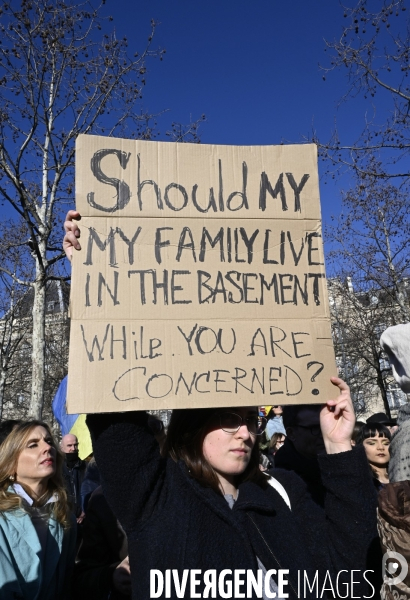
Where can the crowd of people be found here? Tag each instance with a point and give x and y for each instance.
(228, 490)
(198, 497)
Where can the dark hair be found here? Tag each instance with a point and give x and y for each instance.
(372, 430)
(357, 429)
(271, 413)
(7, 427)
(186, 432)
(275, 439)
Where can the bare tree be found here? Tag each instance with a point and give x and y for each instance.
(370, 263)
(186, 133)
(370, 241)
(358, 320)
(60, 76)
(374, 51)
(13, 333)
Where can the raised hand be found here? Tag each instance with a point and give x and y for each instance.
(337, 420)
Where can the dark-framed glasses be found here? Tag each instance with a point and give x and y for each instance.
(231, 422)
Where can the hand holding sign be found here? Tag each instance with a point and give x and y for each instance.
(72, 233)
(337, 420)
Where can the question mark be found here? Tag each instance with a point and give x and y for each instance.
(315, 391)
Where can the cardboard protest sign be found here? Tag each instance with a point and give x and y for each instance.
(201, 277)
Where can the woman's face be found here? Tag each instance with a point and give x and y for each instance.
(229, 453)
(37, 460)
(377, 450)
(280, 442)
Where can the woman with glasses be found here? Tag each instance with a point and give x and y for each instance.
(204, 504)
(201, 512)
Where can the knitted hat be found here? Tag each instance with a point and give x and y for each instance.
(395, 341)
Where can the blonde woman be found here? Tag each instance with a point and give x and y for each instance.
(37, 530)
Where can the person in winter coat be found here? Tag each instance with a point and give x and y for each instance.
(203, 509)
(73, 472)
(303, 443)
(176, 510)
(37, 530)
(275, 422)
(102, 569)
(90, 483)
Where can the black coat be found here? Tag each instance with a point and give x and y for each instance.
(73, 478)
(287, 457)
(172, 522)
(103, 547)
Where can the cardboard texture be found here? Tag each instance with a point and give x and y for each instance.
(201, 278)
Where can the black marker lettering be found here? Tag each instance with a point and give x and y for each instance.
(188, 338)
(297, 188)
(178, 288)
(249, 242)
(266, 260)
(211, 203)
(242, 194)
(159, 243)
(219, 238)
(122, 189)
(182, 245)
(141, 184)
(266, 186)
(101, 282)
(181, 189)
(123, 339)
(96, 343)
(94, 237)
(296, 344)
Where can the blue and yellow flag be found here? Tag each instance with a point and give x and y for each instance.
(74, 424)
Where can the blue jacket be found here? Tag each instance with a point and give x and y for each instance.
(275, 425)
(22, 573)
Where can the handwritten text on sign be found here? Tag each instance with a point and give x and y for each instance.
(178, 302)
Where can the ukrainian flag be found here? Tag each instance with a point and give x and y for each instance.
(74, 424)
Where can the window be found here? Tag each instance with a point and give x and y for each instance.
(384, 362)
(395, 396)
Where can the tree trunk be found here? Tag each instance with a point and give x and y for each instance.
(2, 388)
(380, 383)
(38, 343)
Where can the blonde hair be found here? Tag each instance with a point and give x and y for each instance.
(10, 451)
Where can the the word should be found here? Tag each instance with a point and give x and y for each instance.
(175, 196)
